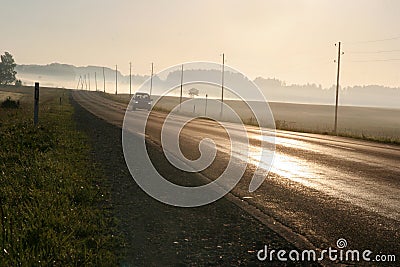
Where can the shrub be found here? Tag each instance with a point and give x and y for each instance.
(18, 83)
(9, 103)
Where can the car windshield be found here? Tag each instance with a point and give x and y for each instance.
(142, 96)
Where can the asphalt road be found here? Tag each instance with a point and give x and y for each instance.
(322, 187)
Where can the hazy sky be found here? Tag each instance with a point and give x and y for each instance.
(290, 40)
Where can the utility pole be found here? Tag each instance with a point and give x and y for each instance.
(95, 79)
(205, 113)
(36, 105)
(89, 80)
(180, 98)
(337, 85)
(116, 79)
(104, 82)
(77, 86)
(130, 78)
(151, 78)
(85, 82)
(222, 83)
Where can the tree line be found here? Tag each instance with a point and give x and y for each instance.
(7, 70)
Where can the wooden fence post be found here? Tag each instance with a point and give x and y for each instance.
(36, 105)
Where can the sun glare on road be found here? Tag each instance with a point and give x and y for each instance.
(285, 165)
(293, 169)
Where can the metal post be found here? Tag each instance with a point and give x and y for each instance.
(337, 88)
(89, 80)
(36, 105)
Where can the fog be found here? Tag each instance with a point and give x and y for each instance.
(275, 90)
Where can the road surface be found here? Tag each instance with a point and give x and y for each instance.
(321, 187)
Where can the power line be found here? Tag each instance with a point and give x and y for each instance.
(376, 40)
(373, 52)
(375, 60)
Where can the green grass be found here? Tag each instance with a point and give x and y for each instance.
(287, 126)
(52, 201)
(121, 98)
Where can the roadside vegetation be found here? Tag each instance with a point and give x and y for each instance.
(10, 103)
(52, 198)
(120, 98)
(288, 126)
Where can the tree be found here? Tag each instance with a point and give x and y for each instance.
(18, 83)
(193, 92)
(7, 72)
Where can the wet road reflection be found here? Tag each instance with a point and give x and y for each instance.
(300, 159)
(372, 194)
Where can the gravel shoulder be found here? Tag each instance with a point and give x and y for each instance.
(156, 234)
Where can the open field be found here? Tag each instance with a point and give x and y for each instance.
(4, 95)
(52, 196)
(361, 122)
(377, 124)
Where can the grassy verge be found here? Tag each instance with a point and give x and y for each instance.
(121, 98)
(52, 209)
(283, 125)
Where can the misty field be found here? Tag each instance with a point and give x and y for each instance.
(378, 124)
(367, 122)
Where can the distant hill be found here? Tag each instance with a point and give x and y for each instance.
(368, 96)
(64, 75)
(275, 90)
